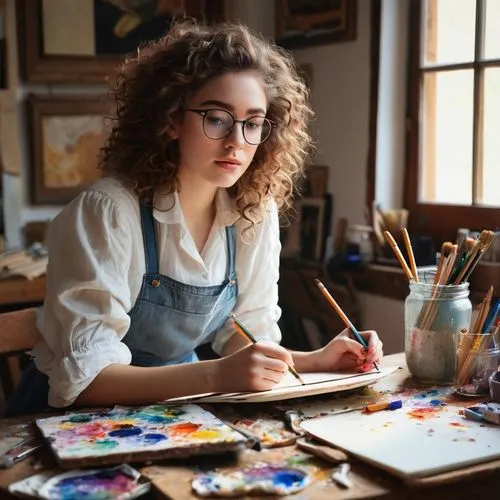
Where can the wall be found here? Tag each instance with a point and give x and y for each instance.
(16, 197)
(340, 97)
(391, 128)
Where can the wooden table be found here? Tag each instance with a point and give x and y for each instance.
(19, 291)
(173, 479)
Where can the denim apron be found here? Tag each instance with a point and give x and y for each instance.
(170, 319)
(167, 322)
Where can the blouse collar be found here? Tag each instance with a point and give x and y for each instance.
(167, 208)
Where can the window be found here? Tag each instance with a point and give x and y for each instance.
(453, 177)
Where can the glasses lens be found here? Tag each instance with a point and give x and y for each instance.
(217, 124)
(256, 129)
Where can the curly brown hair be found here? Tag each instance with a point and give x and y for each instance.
(150, 93)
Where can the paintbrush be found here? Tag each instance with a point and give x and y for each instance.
(399, 255)
(253, 440)
(242, 330)
(411, 256)
(483, 242)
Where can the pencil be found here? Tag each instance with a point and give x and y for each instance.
(343, 316)
(411, 256)
(242, 330)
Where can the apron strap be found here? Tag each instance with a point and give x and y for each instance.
(149, 238)
(231, 252)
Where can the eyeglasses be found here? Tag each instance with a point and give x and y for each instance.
(219, 123)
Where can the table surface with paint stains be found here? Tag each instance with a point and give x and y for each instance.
(173, 479)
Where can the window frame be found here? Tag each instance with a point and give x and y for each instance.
(441, 221)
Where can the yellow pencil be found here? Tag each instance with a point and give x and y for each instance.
(241, 329)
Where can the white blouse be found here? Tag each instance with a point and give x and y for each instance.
(95, 271)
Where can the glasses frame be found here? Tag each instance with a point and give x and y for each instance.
(203, 114)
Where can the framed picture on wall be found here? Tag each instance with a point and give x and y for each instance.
(84, 41)
(316, 181)
(311, 217)
(67, 135)
(303, 23)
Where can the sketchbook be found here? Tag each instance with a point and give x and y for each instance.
(136, 434)
(289, 387)
(427, 436)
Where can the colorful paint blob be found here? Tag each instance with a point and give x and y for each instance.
(118, 483)
(425, 413)
(124, 430)
(267, 480)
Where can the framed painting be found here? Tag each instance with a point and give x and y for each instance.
(304, 237)
(67, 135)
(312, 228)
(84, 41)
(316, 181)
(303, 23)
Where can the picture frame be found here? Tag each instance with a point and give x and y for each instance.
(316, 181)
(311, 219)
(304, 23)
(84, 41)
(67, 133)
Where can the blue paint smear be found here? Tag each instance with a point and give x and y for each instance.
(435, 402)
(428, 394)
(288, 478)
(126, 432)
(154, 438)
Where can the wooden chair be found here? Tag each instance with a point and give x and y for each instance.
(18, 334)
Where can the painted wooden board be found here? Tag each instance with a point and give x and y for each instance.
(425, 437)
(315, 383)
(135, 434)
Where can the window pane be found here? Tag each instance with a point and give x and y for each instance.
(448, 32)
(489, 181)
(492, 33)
(446, 161)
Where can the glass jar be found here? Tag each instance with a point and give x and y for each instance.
(478, 356)
(434, 316)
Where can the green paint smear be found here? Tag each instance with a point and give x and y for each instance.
(105, 444)
(79, 418)
(298, 460)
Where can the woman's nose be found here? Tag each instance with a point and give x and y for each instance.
(235, 137)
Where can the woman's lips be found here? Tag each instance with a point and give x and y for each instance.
(228, 164)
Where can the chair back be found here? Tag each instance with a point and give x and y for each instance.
(18, 333)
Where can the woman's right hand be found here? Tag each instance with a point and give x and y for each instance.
(256, 367)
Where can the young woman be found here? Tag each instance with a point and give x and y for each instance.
(209, 136)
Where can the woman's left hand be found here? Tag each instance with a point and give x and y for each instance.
(345, 353)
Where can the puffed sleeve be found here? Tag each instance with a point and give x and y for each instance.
(88, 295)
(257, 267)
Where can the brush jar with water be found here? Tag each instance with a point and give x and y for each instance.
(478, 358)
(434, 317)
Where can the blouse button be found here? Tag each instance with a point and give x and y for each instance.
(232, 282)
(155, 283)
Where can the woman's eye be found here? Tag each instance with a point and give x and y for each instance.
(215, 121)
(252, 125)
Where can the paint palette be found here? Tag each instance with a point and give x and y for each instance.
(265, 479)
(134, 434)
(117, 483)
